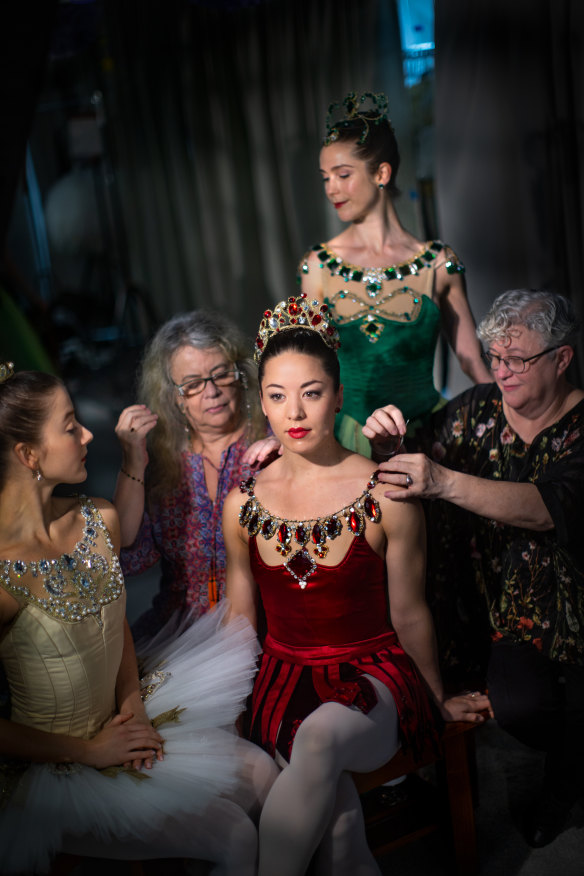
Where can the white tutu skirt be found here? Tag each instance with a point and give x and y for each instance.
(208, 672)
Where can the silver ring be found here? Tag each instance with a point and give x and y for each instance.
(409, 481)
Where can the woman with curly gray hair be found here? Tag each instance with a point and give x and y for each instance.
(506, 563)
(184, 447)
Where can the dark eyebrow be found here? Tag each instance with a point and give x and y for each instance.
(338, 167)
(302, 386)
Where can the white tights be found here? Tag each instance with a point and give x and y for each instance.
(314, 803)
(224, 834)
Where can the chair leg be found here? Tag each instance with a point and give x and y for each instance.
(460, 795)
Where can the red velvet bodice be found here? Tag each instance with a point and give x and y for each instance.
(338, 606)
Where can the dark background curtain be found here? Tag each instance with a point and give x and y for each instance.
(216, 116)
(509, 115)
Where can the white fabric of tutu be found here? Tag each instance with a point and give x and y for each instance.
(209, 669)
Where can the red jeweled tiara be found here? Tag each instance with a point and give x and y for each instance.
(296, 312)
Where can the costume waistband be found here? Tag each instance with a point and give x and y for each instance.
(320, 655)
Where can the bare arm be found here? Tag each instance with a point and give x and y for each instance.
(459, 325)
(508, 502)
(410, 614)
(134, 424)
(121, 741)
(311, 281)
(240, 587)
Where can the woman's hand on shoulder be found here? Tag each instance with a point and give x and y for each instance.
(468, 706)
(262, 452)
(414, 476)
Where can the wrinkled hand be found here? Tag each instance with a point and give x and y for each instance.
(417, 477)
(385, 428)
(467, 706)
(134, 424)
(258, 452)
(124, 741)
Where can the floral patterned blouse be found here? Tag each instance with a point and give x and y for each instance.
(184, 533)
(490, 580)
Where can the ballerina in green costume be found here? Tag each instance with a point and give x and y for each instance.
(389, 293)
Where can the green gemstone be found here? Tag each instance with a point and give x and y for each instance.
(437, 246)
(373, 287)
(345, 271)
(332, 263)
(323, 255)
(419, 263)
(357, 276)
(428, 255)
(390, 273)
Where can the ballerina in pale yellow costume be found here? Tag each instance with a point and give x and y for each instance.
(93, 761)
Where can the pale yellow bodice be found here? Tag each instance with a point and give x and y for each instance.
(62, 652)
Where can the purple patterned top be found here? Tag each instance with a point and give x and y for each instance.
(184, 533)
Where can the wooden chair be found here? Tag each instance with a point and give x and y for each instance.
(456, 773)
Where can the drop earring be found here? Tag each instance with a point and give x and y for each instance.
(381, 186)
(36, 473)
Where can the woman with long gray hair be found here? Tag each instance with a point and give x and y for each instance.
(185, 445)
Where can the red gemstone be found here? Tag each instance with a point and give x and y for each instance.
(316, 533)
(267, 528)
(300, 564)
(260, 343)
(316, 319)
(354, 522)
(293, 308)
(267, 313)
(333, 526)
(371, 507)
(283, 533)
(301, 535)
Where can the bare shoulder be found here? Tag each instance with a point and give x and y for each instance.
(398, 514)
(110, 518)
(233, 501)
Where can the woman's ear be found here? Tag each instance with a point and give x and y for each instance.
(26, 456)
(565, 356)
(383, 175)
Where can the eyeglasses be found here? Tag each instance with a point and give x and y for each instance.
(197, 384)
(515, 364)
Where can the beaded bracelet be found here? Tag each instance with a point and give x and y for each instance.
(128, 475)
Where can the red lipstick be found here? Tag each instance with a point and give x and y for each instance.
(298, 432)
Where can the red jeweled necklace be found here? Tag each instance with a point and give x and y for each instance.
(318, 530)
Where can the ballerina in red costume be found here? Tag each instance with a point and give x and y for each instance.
(349, 669)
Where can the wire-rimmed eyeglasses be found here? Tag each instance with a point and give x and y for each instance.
(196, 385)
(515, 364)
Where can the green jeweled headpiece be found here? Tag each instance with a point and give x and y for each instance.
(296, 312)
(368, 107)
(6, 370)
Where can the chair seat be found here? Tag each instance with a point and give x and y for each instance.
(456, 772)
